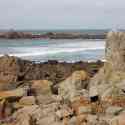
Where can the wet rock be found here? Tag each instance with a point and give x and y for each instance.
(13, 69)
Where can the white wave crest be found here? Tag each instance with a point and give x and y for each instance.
(48, 51)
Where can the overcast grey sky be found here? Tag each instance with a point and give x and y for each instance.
(66, 14)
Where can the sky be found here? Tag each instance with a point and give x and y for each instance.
(62, 14)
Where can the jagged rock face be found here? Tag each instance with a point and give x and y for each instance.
(115, 51)
(13, 69)
(108, 81)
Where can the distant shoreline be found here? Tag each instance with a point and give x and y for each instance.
(51, 35)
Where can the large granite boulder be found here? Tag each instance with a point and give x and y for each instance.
(110, 81)
(72, 86)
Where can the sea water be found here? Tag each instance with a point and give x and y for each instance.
(41, 50)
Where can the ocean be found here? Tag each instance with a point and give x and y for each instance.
(41, 50)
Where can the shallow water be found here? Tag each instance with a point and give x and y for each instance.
(62, 50)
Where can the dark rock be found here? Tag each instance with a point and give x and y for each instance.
(13, 69)
(51, 35)
(94, 98)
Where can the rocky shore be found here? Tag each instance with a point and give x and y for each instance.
(28, 85)
(55, 93)
(51, 35)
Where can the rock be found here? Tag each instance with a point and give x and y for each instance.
(42, 87)
(27, 115)
(13, 93)
(81, 106)
(6, 109)
(113, 110)
(84, 109)
(113, 73)
(45, 99)
(9, 69)
(69, 88)
(47, 121)
(92, 120)
(27, 100)
(4, 85)
(64, 112)
(13, 69)
(118, 120)
(72, 121)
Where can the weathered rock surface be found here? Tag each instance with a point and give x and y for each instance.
(107, 83)
(118, 120)
(74, 103)
(71, 87)
(42, 87)
(13, 93)
(27, 100)
(14, 69)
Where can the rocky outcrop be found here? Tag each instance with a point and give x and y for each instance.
(27, 90)
(13, 69)
(16, 35)
(74, 103)
(77, 35)
(109, 82)
(77, 102)
(73, 85)
(52, 35)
